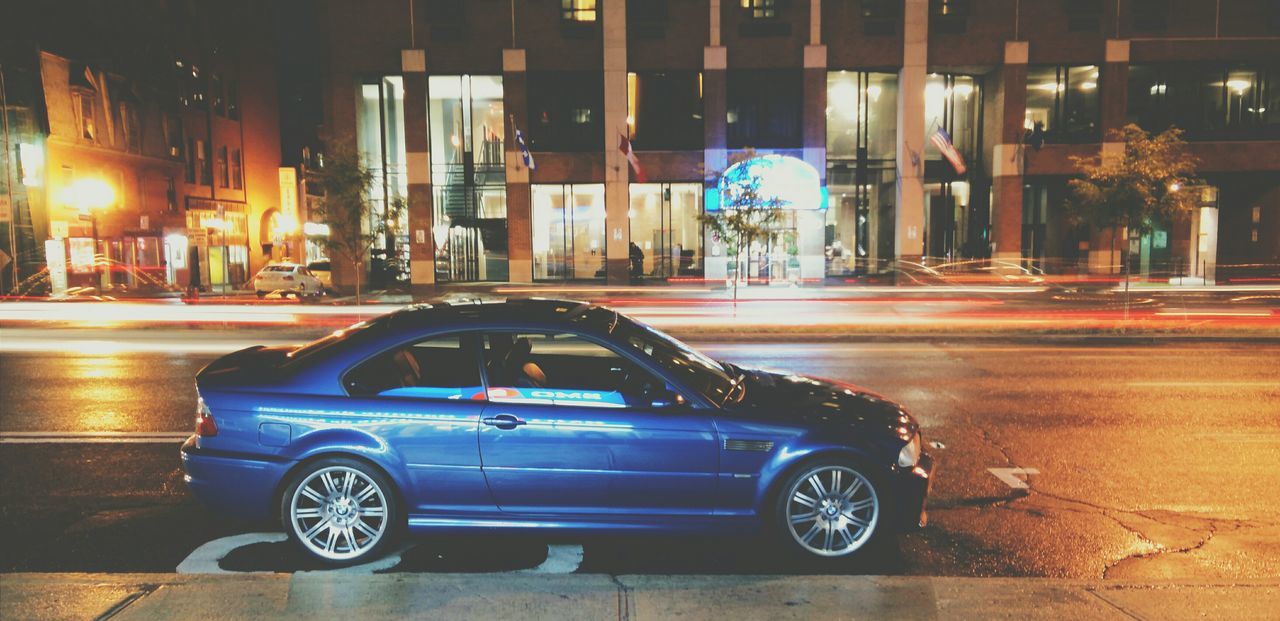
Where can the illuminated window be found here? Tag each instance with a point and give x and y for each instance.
(1208, 102)
(88, 119)
(761, 9)
(578, 10)
(1064, 102)
(237, 170)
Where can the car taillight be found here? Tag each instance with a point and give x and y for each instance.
(288, 277)
(205, 427)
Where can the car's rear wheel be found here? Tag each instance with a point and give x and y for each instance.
(828, 509)
(340, 511)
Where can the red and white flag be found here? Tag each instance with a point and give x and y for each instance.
(624, 145)
(942, 140)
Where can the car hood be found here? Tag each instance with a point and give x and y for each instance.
(800, 398)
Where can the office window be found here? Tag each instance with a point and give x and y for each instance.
(578, 10)
(880, 17)
(664, 110)
(88, 117)
(219, 100)
(233, 100)
(862, 115)
(953, 102)
(764, 109)
(1150, 15)
(761, 9)
(446, 13)
(568, 231)
(171, 194)
(237, 170)
(566, 111)
(130, 127)
(647, 19)
(197, 87)
(948, 16)
(190, 157)
(1064, 100)
(224, 174)
(1083, 15)
(1238, 102)
(205, 163)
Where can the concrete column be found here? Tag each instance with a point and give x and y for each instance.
(515, 91)
(422, 269)
(715, 155)
(909, 231)
(1007, 157)
(617, 172)
(1103, 257)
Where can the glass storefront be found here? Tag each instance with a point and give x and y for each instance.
(381, 143)
(956, 215)
(568, 231)
(1064, 102)
(665, 230)
(468, 177)
(862, 126)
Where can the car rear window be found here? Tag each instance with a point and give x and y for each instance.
(278, 268)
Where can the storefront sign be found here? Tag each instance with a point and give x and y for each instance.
(288, 191)
(55, 257)
(81, 255)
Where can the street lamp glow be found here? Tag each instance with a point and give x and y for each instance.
(1175, 186)
(89, 195)
(286, 224)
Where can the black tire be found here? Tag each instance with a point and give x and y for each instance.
(261, 294)
(338, 514)
(845, 515)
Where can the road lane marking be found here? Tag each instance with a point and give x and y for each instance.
(93, 437)
(1008, 476)
(561, 559)
(204, 559)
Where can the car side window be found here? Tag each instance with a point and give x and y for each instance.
(564, 369)
(442, 367)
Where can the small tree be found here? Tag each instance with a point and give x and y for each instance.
(1143, 187)
(745, 214)
(346, 208)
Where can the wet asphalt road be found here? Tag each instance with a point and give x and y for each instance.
(1151, 461)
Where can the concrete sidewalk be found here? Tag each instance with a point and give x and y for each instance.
(599, 597)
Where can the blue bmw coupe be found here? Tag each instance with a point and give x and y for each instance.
(543, 414)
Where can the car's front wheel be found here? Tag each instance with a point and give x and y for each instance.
(828, 509)
(339, 511)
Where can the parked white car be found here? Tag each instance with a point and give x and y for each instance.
(321, 269)
(286, 279)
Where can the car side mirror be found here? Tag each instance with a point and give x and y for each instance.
(659, 399)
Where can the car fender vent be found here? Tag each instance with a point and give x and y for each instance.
(763, 446)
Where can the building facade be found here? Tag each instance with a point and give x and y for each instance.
(850, 92)
(146, 140)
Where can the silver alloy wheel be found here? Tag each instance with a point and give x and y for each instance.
(832, 511)
(339, 513)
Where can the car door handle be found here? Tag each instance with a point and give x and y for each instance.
(503, 421)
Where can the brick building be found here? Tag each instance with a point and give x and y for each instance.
(147, 135)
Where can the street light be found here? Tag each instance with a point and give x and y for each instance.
(89, 196)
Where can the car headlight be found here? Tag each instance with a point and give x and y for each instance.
(910, 454)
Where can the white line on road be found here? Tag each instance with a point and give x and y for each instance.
(561, 559)
(93, 437)
(1008, 476)
(204, 559)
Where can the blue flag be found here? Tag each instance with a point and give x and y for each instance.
(524, 149)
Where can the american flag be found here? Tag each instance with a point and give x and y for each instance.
(942, 140)
(524, 150)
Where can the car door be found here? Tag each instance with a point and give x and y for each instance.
(585, 437)
(426, 398)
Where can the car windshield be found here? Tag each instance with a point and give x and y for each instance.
(694, 368)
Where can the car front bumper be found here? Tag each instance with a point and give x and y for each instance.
(912, 493)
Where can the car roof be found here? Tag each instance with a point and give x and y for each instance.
(520, 310)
